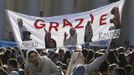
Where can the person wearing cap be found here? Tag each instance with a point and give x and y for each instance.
(26, 36)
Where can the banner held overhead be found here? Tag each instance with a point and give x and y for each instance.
(72, 29)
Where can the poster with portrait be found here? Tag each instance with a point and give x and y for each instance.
(66, 30)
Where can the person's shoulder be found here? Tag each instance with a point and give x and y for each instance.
(14, 73)
(44, 58)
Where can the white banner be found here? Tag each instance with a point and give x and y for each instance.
(52, 32)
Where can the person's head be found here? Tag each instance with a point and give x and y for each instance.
(95, 72)
(112, 58)
(122, 60)
(120, 50)
(120, 71)
(12, 63)
(48, 34)
(55, 57)
(85, 52)
(6, 56)
(67, 56)
(114, 10)
(79, 70)
(129, 69)
(20, 22)
(88, 23)
(43, 53)
(61, 51)
(112, 20)
(112, 67)
(8, 53)
(26, 34)
(32, 57)
(2, 49)
(104, 67)
(72, 31)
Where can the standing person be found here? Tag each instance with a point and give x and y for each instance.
(72, 40)
(39, 65)
(49, 41)
(22, 28)
(88, 33)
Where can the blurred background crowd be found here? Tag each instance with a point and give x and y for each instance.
(119, 60)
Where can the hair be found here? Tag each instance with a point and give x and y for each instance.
(121, 71)
(128, 68)
(104, 67)
(67, 55)
(55, 57)
(121, 49)
(85, 52)
(122, 60)
(112, 67)
(60, 50)
(43, 53)
(90, 55)
(13, 62)
(112, 58)
(31, 53)
(6, 56)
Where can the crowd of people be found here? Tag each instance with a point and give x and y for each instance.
(82, 61)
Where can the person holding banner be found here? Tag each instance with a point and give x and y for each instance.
(72, 40)
(49, 41)
(22, 28)
(39, 65)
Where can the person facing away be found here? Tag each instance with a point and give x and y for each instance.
(21, 26)
(72, 40)
(39, 65)
(49, 41)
